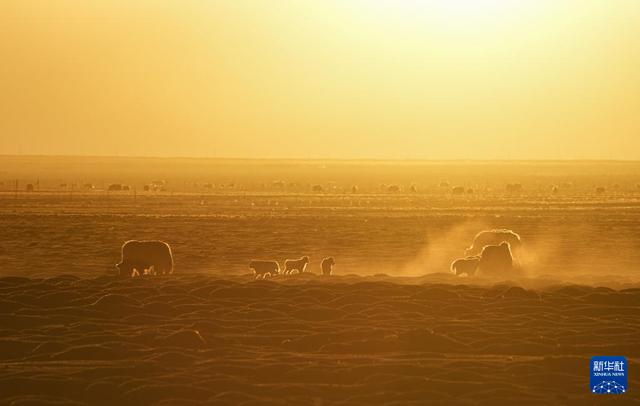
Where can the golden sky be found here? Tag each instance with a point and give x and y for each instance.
(450, 79)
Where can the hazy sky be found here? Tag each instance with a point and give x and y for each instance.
(477, 79)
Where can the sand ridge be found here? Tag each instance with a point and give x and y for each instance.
(202, 339)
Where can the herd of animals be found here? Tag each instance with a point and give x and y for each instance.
(493, 252)
(264, 269)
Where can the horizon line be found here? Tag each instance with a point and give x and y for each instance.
(236, 158)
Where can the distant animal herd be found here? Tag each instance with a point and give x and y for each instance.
(455, 190)
(492, 252)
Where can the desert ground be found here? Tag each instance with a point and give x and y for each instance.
(392, 325)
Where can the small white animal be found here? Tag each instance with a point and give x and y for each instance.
(296, 264)
(263, 268)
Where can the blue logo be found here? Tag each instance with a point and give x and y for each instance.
(609, 375)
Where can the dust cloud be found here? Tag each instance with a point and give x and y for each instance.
(556, 255)
(443, 247)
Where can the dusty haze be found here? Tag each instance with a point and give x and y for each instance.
(385, 134)
(403, 219)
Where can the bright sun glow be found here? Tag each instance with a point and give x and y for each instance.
(448, 6)
(432, 79)
(479, 19)
(452, 9)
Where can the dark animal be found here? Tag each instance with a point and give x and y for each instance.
(496, 260)
(468, 265)
(327, 265)
(264, 268)
(139, 257)
(296, 264)
(514, 187)
(494, 237)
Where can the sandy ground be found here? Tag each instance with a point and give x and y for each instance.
(197, 339)
(401, 235)
(72, 332)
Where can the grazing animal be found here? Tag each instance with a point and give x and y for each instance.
(494, 237)
(514, 187)
(496, 260)
(145, 257)
(296, 264)
(327, 265)
(468, 265)
(458, 190)
(264, 268)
